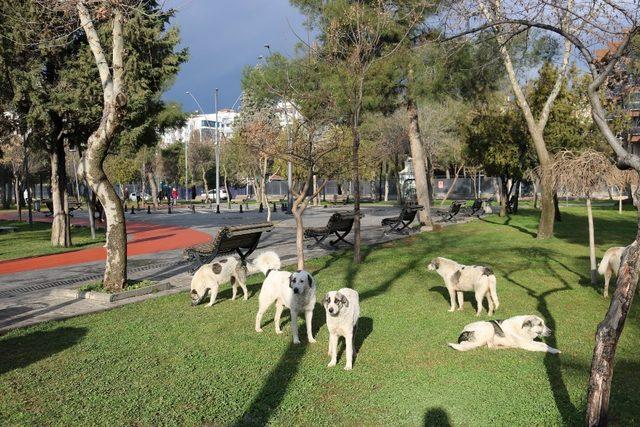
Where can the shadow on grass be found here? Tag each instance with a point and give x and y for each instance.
(436, 417)
(22, 351)
(275, 387)
(553, 365)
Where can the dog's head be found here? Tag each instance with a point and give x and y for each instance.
(301, 281)
(197, 298)
(333, 302)
(534, 327)
(434, 264)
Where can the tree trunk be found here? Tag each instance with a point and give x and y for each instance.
(153, 187)
(60, 235)
(536, 184)
(557, 216)
(607, 336)
(357, 258)
(226, 188)
(504, 196)
(316, 199)
(452, 186)
(18, 195)
(547, 211)
(386, 181)
(592, 244)
(297, 211)
(419, 167)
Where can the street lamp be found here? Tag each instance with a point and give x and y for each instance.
(186, 149)
(217, 124)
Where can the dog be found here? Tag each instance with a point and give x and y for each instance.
(459, 278)
(210, 276)
(609, 266)
(514, 332)
(342, 309)
(295, 291)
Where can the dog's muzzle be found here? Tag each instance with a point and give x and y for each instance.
(295, 290)
(546, 332)
(196, 301)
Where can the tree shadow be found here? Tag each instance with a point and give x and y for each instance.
(275, 387)
(508, 224)
(553, 365)
(365, 327)
(21, 351)
(436, 417)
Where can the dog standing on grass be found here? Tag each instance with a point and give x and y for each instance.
(514, 332)
(295, 291)
(610, 265)
(210, 276)
(343, 310)
(459, 278)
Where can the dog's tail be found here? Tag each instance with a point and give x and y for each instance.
(264, 262)
(493, 290)
(604, 264)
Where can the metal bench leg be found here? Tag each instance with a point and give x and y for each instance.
(318, 240)
(340, 238)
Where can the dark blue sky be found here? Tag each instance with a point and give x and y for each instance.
(223, 36)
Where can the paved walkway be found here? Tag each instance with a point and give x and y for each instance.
(26, 298)
(142, 238)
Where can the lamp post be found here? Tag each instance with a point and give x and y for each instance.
(186, 148)
(217, 124)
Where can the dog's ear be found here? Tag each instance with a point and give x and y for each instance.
(344, 300)
(326, 300)
(311, 280)
(291, 280)
(527, 324)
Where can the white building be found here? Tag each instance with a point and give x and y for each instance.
(205, 125)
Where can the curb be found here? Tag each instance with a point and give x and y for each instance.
(105, 297)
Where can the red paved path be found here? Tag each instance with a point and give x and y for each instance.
(143, 238)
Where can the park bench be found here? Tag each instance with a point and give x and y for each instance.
(73, 207)
(476, 208)
(450, 213)
(397, 224)
(339, 224)
(242, 239)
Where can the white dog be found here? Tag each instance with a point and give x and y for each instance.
(514, 332)
(459, 278)
(295, 291)
(609, 265)
(210, 276)
(343, 310)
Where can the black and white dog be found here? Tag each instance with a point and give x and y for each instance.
(514, 332)
(295, 291)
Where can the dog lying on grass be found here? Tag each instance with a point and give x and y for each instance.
(210, 276)
(610, 265)
(342, 309)
(514, 332)
(295, 291)
(459, 278)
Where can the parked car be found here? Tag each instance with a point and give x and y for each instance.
(134, 197)
(212, 195)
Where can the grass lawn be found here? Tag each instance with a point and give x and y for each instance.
(32, 240)
(163, 362)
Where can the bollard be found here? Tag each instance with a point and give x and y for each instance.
(193, 208)
(217, 209)
(133, 210)
(169, 208)
(240, 207)
(275, 207)
(148, 209)
(261, 208)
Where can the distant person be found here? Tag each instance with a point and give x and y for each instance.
(193, 192)
(174, 196)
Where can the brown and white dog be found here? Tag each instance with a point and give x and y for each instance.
(210, 276)
(460, 278)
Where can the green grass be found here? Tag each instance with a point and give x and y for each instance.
(162, 362)
(131, 285)
(35, 239)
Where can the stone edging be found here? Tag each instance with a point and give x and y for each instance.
(105, 297)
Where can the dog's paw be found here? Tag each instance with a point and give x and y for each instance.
(312, 340)
(554, 351)
(258, 329)
(451, 310)
(296, 341)
(460, 308)
(279, 331)
(348, 368)
(331, 364)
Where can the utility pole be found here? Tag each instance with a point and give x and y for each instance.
(215, 101)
